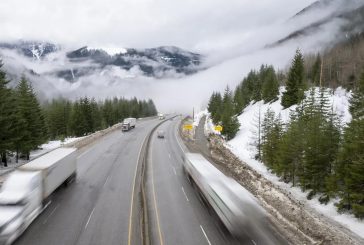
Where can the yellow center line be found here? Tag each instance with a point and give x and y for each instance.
(132, 195)
(155, 202)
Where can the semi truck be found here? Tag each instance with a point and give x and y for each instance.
(161, 116)
(235, 207)
(128, 124)
(26, 191)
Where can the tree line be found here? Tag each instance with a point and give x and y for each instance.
(314, 150)
(256, 86)
(25, 123)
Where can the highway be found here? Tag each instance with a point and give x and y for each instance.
(177, 216)
(96, 208)
(103, 206)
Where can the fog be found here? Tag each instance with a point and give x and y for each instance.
(232, 48)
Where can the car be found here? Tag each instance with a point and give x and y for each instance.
(160, 134)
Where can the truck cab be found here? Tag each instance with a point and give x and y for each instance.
(128, 124)
(20, 203)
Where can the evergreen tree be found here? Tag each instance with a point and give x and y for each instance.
(350, 167)
(290, 149)
(270, 84)
(33, 131)
(316, 71)
(271, 135)
(295, 85)
(215, 107)
(229, 121)
(7, 117)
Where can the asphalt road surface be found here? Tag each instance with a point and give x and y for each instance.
(177, 216)
(96, 208)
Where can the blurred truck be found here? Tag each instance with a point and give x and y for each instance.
(128, 124)
(161, 116)
(26, 190)
(235, 207)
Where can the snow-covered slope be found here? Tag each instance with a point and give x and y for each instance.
(243, 147)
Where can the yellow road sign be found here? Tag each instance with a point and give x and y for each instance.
(188, 126)
(218, 128)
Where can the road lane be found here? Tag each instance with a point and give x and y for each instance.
(181, 217)
(95, 209)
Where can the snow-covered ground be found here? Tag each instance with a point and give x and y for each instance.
(243, 147)
(51, 145)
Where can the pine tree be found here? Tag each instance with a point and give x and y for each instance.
(295, 85)
(316, 71)
(290, 149)
(33, 131)
(350, 167)
(7, 117)
(270, 87)
(230, 122)
(215, 107)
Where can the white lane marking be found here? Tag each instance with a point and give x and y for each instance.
(89, 218)
(46, 220)
(107, 179)
(185, 194)
(204, 233)
(46, 206)
(169, 155)
(84, 153)
(174, 170)
(254, 242)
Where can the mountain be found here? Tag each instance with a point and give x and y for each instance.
(160, 62)
(36, 50)
(347, 15)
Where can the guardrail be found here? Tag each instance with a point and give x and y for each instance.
(77, 144)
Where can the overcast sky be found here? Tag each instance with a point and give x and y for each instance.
(198, 25)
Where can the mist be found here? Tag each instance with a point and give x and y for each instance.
(229, 55)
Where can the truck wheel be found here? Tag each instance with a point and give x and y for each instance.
(70, 179)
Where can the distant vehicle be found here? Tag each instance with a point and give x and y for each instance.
(25, 191)
(231, 203)
(128, 124)
(160, 134)
(161, 116)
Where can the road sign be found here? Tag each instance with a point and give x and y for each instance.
(188, 126)
(218, 128)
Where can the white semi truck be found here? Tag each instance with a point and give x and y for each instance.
(236, 208)
(161, 116)
(128, 124)
(27, 189)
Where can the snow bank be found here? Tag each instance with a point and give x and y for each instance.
(243, 147)
(198, 116)
(53, 144)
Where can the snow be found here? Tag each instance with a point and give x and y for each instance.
(53, 144)
(111, 50)
(243, 147)
(49, 159)
(198, 116)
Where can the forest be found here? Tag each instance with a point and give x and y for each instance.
(26, 123)
(314, 150)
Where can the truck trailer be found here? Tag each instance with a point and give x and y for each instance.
(235, 207)
(128, 124)
(26, 190)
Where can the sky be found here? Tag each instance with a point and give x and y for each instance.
(230, 34)
(204, 25)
